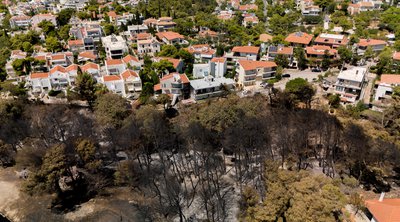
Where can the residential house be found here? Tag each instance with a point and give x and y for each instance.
(201, 70)
(396, 59)
(202, 52)
(386, 85)
(331, 40)
(86, 56)
(63, 59)
(36, 19)
(132, 81)
(318, 52)
(350, 83)
(218, 67)
(165, 23)
(225, 15)
(273, 51)
(249, 71)
(174, 84)
(250, 20)
(134, 30)
(148, 46)
(114, 83)
(208, 34)
(308, 8)
(115, 66)
(210, 87)
(93, 69)
(299, 39)
(61, 77)
(383, 209)
(265, 40)
(248, 7)
(375, 44)
(20, 21)
(171, 38)
(241, 53)
(76, 45)
(132, 62)
(161, 24)
(39, 82)
(364, 6)
(115, 46)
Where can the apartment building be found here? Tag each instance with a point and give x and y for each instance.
(350, 83)
(201, 52)
(174, 84)
(20, 21)
(249, 71)
(241, 53)
(115, 46)
(148, 46)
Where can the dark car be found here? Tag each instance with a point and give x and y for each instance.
(316, 70)
(286, 75)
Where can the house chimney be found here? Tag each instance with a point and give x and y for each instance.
(382, 196)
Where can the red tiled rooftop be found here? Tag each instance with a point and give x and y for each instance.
(299, 38)
(246, 49)
(250, 65)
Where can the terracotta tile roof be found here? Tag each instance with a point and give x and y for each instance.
(40, 57)
(89, 65)
(218, 59)
(390, 78)
(182, 77)
(253, 19)
(129, 58)
(72, 67)
(87, 54)
(396, 56)
(75, 42)
(248, 7)
(169, 35)
(246, 49)
(386, 211)
(320, 50)
(143, 36)
(112, 62)
(208, 33)
(283, 51)
(157, 87)
(57, 69)
(110, 78)
(40, 75)
(58, 56)
(149, 21)
(299, 38)
(371, 42)
(250, 65)
(20, 18)
(112, 14)
(265, 37)
(165, 19)
(201, 48)
(128, 73)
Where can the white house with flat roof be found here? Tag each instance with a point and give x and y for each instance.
(115, 46)
(386, 85)
(350, 83)
(209, 87)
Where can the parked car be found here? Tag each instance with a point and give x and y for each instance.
(286, 75)
(316, 69)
